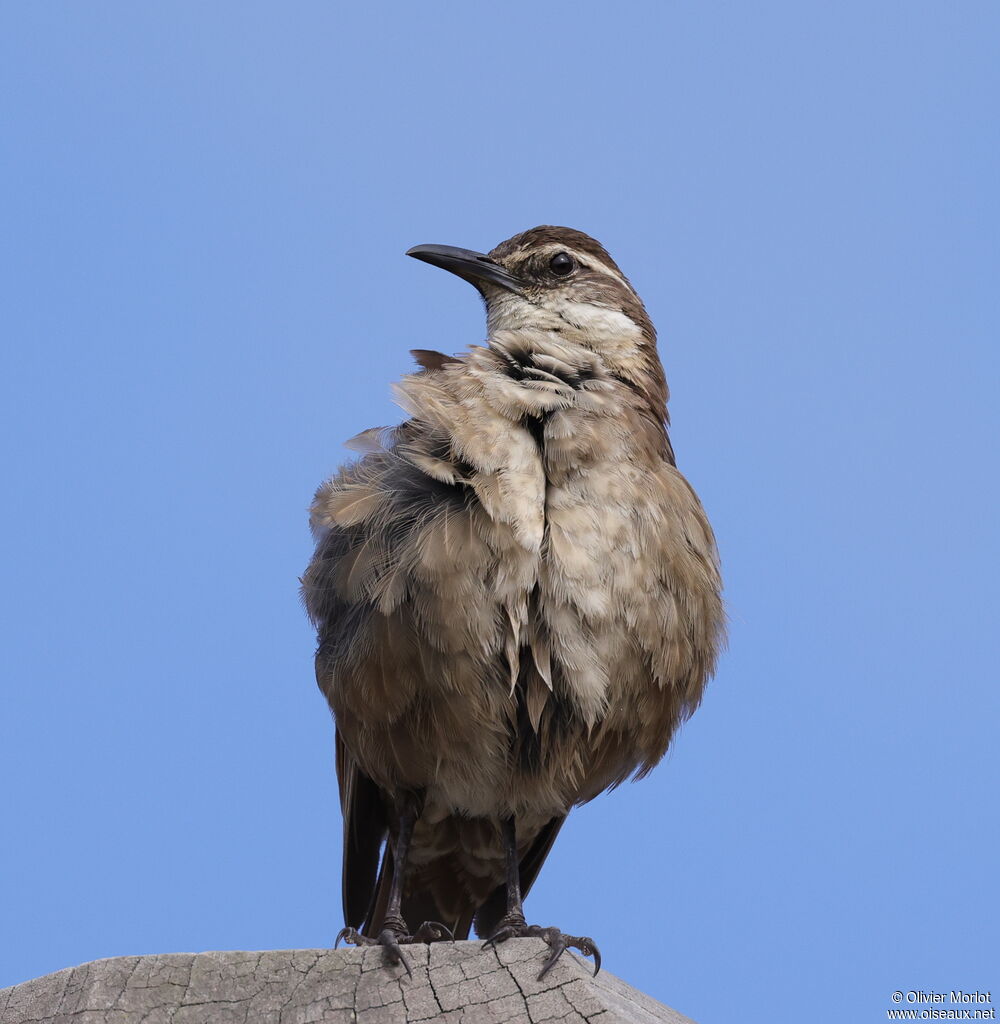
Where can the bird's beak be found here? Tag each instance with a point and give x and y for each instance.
(471, 266)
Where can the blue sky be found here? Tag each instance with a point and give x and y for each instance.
(204, 293)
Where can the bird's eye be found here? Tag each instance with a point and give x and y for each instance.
(561, 264)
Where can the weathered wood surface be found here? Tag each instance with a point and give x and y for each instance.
(452, 982)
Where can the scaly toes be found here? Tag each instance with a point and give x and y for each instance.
(387, 939)
(353, 938)
(559, 942)
(431, 931)
(502, 935)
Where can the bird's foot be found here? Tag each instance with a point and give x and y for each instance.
(392, 936)
(557, 941)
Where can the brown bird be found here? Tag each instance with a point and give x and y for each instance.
(516, 594)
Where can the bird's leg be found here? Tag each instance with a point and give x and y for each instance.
(394, 929)
(514, 918)
(393, 926)
(513, 925)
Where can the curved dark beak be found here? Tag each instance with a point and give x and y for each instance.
(471, 266)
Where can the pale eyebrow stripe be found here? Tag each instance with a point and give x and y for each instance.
(588, 260)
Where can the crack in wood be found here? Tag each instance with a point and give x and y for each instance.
(456, 982)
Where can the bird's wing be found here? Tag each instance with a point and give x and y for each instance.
(532, 861)
(371, 525)
(365, 826)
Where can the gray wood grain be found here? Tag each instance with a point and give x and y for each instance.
(452, 982)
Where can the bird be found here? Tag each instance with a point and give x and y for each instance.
(517, 598)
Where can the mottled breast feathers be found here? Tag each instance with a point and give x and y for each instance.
(516, 593)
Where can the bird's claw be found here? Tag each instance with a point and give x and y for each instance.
(352, 937)
(390, 940)
(556, 940)
(387, 939)
(431, 931)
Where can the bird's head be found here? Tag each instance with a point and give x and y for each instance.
(561, 280)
